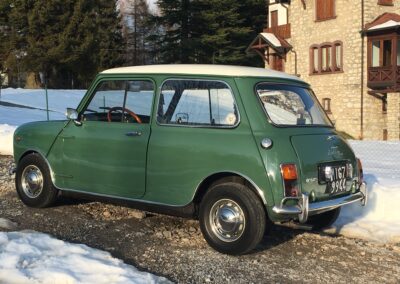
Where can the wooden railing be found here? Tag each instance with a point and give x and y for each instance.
(283, 31)
(383, 77)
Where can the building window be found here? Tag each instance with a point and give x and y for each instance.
(325, 9)
(326, 104)
(385, 2)
(381, 53)
(326, 58)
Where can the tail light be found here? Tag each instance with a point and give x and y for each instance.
(290, 180)
(360, 172)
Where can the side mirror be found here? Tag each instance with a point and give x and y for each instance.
(72, 114)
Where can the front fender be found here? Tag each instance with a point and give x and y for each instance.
(36, 137)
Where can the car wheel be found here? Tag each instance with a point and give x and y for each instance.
(232, 218)
(33, 182)
(323, 220)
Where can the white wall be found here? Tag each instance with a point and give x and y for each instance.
(282, 13)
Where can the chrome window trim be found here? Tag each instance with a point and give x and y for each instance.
(203, 125)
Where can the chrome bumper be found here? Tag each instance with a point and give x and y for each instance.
(304, 208)
(12, 170)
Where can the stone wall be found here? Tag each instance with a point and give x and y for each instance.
(344, 89)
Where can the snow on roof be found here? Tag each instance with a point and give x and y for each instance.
(271, 38)
(388, 24)
(198, 69)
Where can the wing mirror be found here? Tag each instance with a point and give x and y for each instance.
(72, 114)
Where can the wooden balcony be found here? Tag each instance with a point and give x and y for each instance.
(384, 78)
(282, 31)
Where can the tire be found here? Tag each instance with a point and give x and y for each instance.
(236, 202)
(33, 182)
(323, 220)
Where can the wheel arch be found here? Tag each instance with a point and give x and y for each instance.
(33, 151)
(227, 176)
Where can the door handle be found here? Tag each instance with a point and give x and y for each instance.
(134, 133)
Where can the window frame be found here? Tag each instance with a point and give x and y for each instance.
(328, 110)
(88, 99)
(209, 126)
(326, 18)
(385, 2)
(381, 40)
(333, 64)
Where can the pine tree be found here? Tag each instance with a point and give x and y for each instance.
(177, 43)
(209, 31)
(135, 22)
(68, 40)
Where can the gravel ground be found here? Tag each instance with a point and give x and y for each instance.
(174, 247)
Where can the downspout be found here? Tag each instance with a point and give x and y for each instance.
(295, 63)
(362, 71)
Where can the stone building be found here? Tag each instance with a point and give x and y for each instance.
(349, 51)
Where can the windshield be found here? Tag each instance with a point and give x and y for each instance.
(290, 105)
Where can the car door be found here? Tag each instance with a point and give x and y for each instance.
(105, 152)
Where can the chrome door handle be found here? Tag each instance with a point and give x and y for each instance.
(134, 133)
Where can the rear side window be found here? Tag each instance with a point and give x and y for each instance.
(197, 103)
(291, 105)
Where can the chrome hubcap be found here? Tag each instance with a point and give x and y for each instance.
(227, 220)
(32, 181)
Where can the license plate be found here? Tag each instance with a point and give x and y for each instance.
(336, 179)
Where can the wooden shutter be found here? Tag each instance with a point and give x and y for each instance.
(325, 9)
(274, 19)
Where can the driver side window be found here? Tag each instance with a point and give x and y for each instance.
(121, 101)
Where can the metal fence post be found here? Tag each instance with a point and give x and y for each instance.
(47, 101)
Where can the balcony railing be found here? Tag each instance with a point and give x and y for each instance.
(282, 31)
(380, 78)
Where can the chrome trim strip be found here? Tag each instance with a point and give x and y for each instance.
(122, 198)
(259, 191)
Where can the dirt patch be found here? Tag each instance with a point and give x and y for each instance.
(174, 247)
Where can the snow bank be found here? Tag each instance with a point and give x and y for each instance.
(6, 139)
(39, 258)
(380, 219)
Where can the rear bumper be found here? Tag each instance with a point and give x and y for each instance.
(304, 208)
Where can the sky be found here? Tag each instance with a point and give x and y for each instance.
(152, 4)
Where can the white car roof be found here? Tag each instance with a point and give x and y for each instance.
(199, 69)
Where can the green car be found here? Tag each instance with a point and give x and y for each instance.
(239, 148)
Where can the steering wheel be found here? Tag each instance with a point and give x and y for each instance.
(131, 113)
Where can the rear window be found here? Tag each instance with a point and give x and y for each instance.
(289, 105)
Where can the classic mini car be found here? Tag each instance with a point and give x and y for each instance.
(238, 148)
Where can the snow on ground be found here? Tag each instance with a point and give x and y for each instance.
(379, 220)
(59, 100)
(30, 257)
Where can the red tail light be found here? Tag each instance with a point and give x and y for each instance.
(360, 171)
(290, 180)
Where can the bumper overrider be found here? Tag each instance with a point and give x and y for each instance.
(304, 208)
